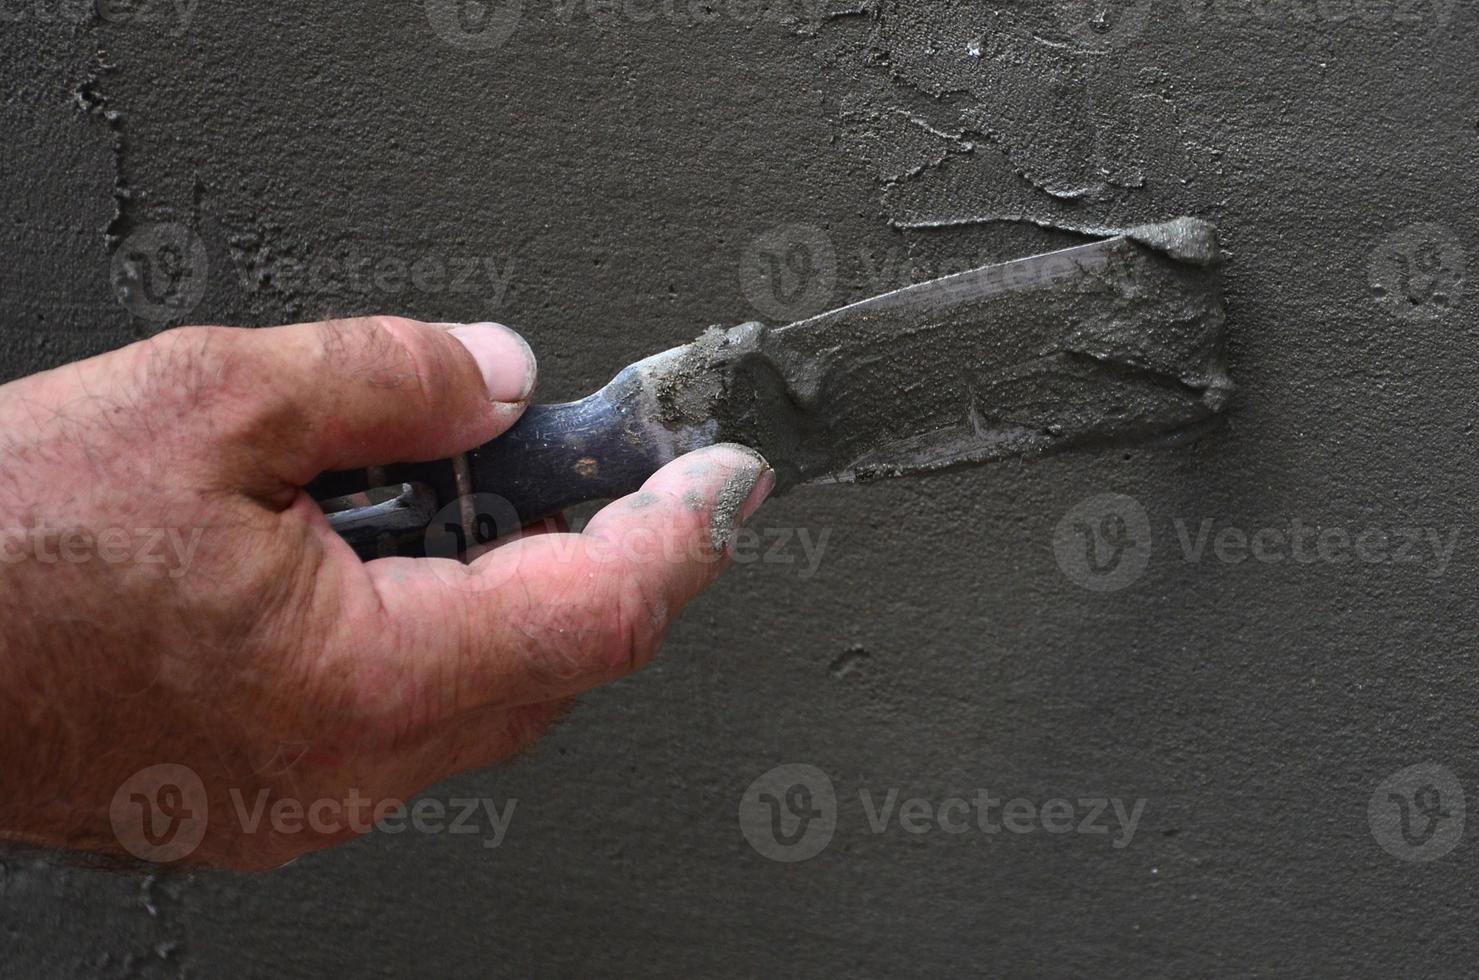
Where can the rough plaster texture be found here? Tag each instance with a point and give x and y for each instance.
(627, 176)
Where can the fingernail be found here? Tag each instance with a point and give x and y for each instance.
(740, 496)
(507, 363)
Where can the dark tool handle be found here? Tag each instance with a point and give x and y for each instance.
(557, 456)
(554, 457)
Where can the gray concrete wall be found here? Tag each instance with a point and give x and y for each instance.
(613, 182)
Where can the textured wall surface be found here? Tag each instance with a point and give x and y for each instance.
(1237, 649)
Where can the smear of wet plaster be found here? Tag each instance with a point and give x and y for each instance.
(1023, 121)
(91, 99)
(899, 144)
(1120, 346)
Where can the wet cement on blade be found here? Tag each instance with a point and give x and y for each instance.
(1124, 350)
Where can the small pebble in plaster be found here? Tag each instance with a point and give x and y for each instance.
(849, 661)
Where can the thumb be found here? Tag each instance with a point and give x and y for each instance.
(549, 616)
(343, 394)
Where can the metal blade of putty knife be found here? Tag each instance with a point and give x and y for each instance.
(1112, 342)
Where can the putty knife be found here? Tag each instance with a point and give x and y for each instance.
(1112, 342)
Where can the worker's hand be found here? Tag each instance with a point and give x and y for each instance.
(186, 644)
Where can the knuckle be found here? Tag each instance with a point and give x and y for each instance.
(212, 381)
(609, 628)
(208, 371)
(387, 353)
(636, 625)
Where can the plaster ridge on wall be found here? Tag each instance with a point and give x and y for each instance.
(91, 99)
